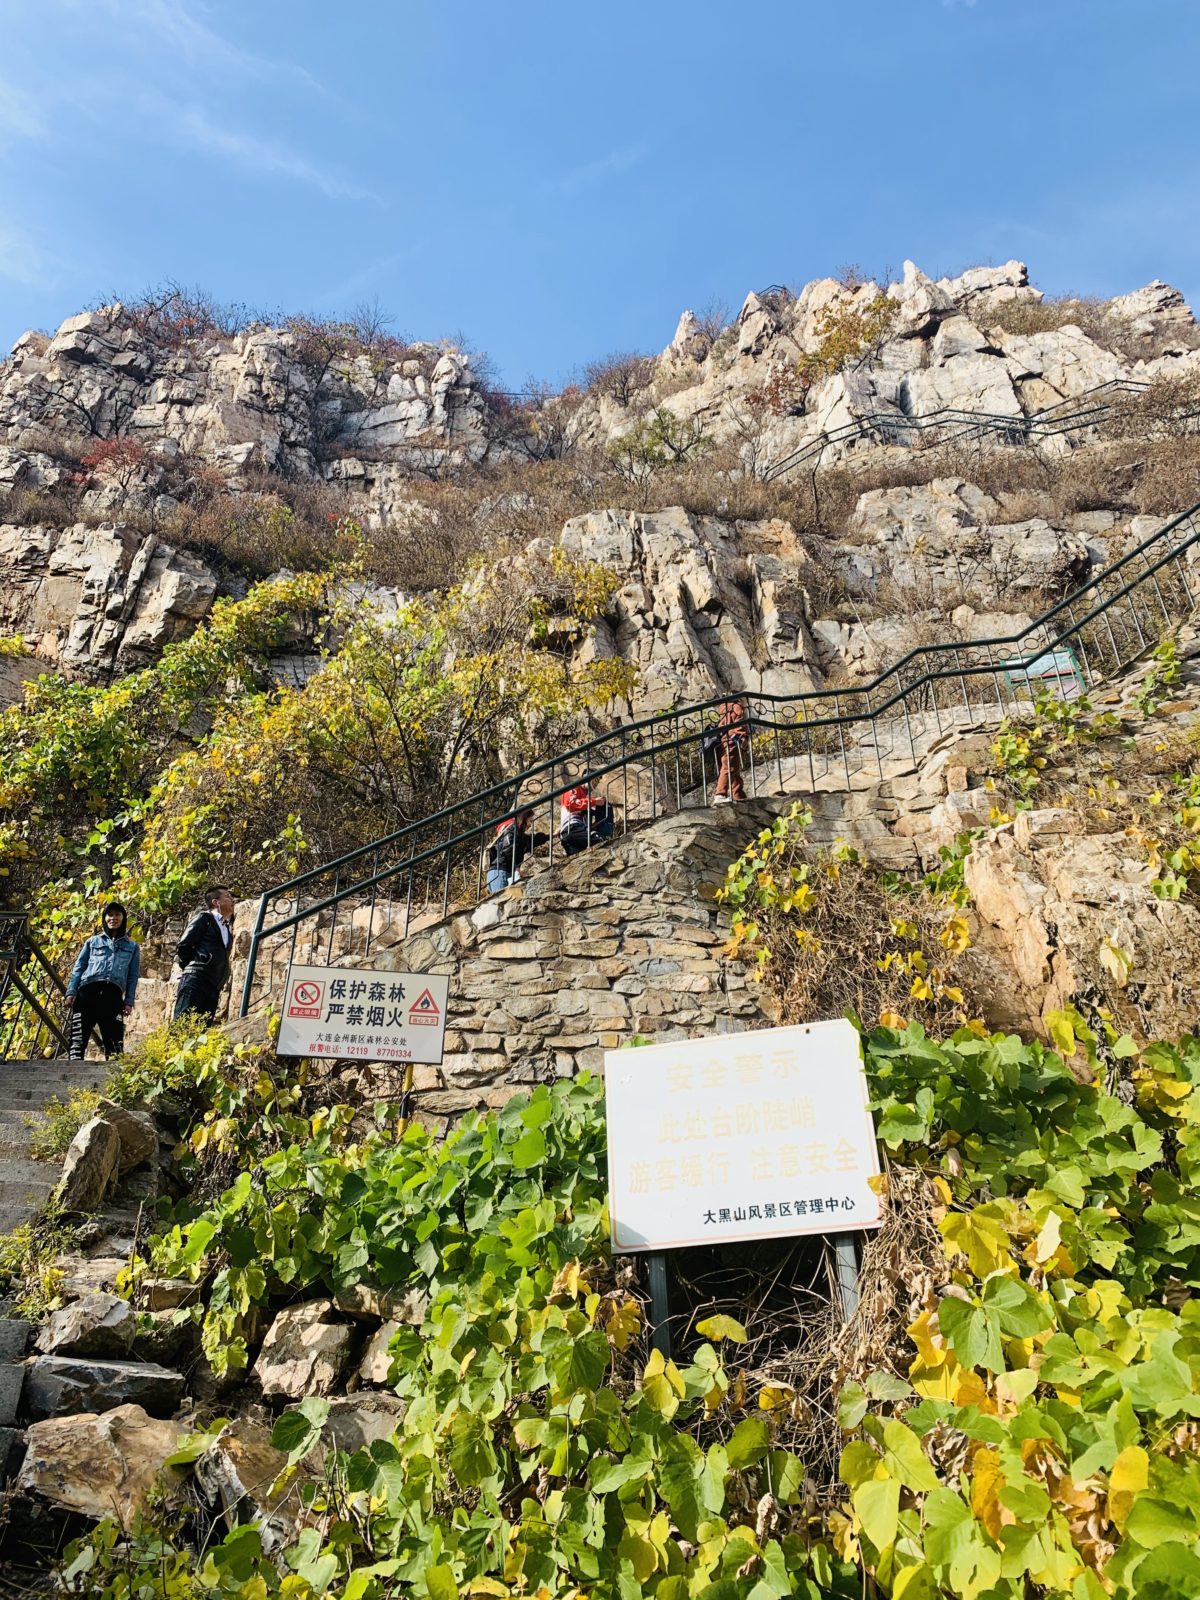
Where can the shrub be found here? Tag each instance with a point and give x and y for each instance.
(619, 375)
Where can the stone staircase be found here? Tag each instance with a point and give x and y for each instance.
(25, 1087)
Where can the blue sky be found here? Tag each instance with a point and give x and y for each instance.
(559, 180)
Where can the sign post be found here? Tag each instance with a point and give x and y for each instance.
(364, 1014)
(744, 1136)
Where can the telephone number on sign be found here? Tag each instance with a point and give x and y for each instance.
(380, 1053)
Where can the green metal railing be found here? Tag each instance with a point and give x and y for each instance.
(31, 994)
(950, 425)
(818, 739)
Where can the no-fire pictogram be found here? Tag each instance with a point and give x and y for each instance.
(424, 1011)
(306, 998)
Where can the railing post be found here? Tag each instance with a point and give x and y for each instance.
(252, 957)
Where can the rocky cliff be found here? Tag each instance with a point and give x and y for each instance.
(135, 438)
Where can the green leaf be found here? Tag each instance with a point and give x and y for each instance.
(472, 1459)
(440, 1584)
(877, 1502)
(722, 1327)
(905, 1459)
(1152, 1522)
(852, 1406)
(580, 1363)
(299, 1428)
(886, 1386)
(971, 1334)
(748, 1442)
(785, 1476)
(679, 1481)
(1020, 1311)
(530, 1149)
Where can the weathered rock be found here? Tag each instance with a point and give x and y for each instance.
(98, 598)
(160, 1337)
(97, 1325)
(305, 1351)
(705, 605)
(100, 1466)
(239, 1473)
(136, 1131)
(58, 1386)
(399, 1305)
(946, 542)
(90, 1167)
(376, 1364)
(167, 1294)
(355, 1421)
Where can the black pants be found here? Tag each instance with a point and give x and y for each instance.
(97, 1005)
(196, 997)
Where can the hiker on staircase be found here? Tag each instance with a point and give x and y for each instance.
(734, 730)
(103, 985)
(203, 955)
(586, 819)
(513, 842)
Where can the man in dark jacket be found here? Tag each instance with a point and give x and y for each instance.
(203, 954)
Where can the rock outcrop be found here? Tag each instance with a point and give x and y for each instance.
(100, 599)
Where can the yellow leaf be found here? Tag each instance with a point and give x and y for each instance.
(987, 1480)
(1049, 1237)
(981, 1237)
(1062, 1034)
(893, 1019)
(1130, 1474)
(774, 1398)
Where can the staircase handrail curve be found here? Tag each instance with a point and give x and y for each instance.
(511, 788)
(1044, 420)
(579, 753)
(22, 951)
(508, 790)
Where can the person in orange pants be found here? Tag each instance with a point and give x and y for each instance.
(734, 737)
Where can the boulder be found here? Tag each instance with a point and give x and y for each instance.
(100, 1466)
(364, 1300)
(91, 1165)
(355, 1421)
(136, 1131)
(1157, 309)
(240, 1471)
(305, 1352)
(59, 1386)
(97, 1325)
(167, 1294)
(376, 1364)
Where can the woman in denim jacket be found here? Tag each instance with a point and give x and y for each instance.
(103, 985)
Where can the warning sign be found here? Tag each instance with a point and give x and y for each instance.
(425, 1011)
(352, 1013)
(304, 998)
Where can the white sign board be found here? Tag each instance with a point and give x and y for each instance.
(743, 1136)
(355, 1013)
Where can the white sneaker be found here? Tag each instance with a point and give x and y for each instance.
(720, 799)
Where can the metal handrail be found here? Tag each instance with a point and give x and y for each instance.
(912, 688)
(30, 988)
(1047, 422)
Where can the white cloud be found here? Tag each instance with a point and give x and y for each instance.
(573, 183)
(263, 158)
(176, 27)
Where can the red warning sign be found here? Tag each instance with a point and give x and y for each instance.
(424, 1011)
(306, 999)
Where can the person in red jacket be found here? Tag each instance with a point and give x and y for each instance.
(734, 738)
(586, 819)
